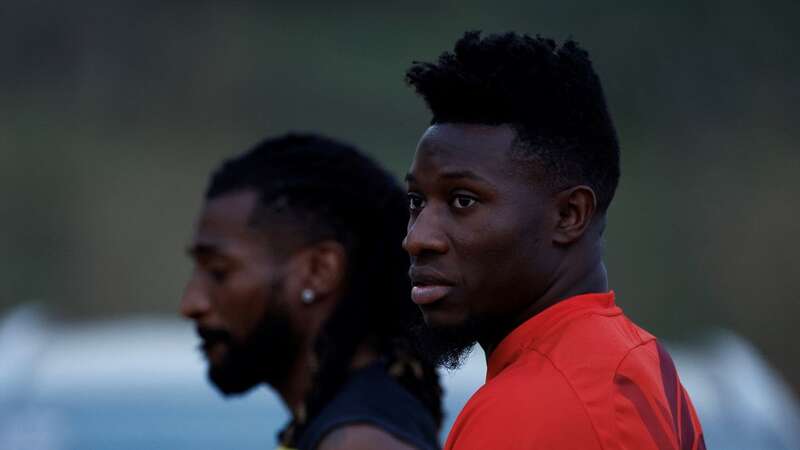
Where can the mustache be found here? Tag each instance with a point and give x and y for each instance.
(211, 335)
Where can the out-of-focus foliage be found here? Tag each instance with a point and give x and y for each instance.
(112, 114)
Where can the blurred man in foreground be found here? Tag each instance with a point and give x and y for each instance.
(300, 283)
(508, 193)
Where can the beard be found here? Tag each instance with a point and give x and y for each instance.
(446, 346)
(266, 355)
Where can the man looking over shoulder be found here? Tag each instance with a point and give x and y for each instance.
(300, 283)
(508, 193)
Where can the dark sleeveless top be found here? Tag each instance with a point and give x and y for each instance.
(371, 396)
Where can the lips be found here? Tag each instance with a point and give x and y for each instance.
(212, 338)
(428, 285)
(425, 295)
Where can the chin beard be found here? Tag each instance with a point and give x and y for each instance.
(446, 346)
(265, 356)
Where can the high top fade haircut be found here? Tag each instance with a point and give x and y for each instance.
(549, 94)
(323, 189)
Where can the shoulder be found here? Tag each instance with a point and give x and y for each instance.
(534, 376)
(650, 403)
(361, 437)
(372, 406)
(533, 404)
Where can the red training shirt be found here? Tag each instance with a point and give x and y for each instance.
(579, 375)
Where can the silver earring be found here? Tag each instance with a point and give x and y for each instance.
(308, 296)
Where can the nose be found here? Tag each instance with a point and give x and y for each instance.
(425, 235)
(194, 303)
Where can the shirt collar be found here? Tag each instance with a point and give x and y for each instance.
(542, 324)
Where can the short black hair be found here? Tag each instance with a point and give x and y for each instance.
(549, 94)
(326, 189)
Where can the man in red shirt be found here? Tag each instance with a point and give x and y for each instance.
(508, 194)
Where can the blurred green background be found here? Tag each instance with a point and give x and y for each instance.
(112, 114)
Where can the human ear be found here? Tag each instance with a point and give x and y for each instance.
(576, 207)
(323, 269)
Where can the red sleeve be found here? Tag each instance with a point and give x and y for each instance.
(652, 409)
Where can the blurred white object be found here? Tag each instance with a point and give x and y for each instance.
(743, 403)
(141, 383)
(118, 385)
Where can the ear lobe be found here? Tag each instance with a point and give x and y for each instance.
(576, 207)
(327, 265)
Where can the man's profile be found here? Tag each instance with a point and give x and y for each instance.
(508, 193)
(300, 282)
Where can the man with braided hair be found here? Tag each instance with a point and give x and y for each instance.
(508, 193)
(300, 283)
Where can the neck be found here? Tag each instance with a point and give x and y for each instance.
(297, 385)
(590, 277)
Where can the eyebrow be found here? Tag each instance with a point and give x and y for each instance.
(198, 250)
(460, 174)
(454, 175)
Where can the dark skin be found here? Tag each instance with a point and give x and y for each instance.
(489, 239)
(235, 264)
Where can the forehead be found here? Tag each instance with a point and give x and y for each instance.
(224, 222)
(484, 150)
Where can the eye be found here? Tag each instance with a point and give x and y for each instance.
(415, 202)
(217, 271)
(218, 275)
(463, 201)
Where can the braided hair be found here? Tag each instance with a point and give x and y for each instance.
(329, 190)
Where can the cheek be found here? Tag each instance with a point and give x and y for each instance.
(243, 304)
(493, 239)
(485, 257)
(501, 265)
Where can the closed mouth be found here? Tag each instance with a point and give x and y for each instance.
(421, 276)
(428, 285)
